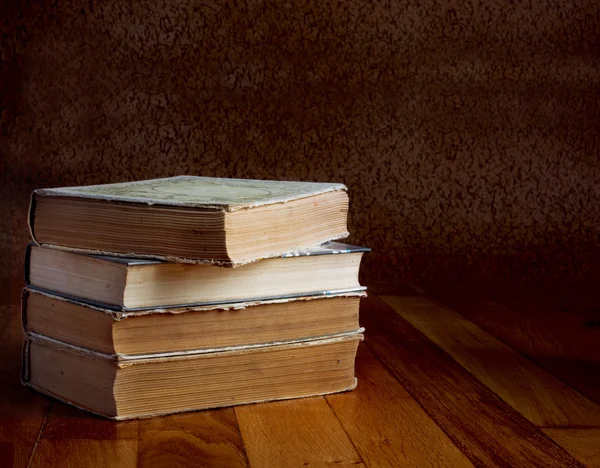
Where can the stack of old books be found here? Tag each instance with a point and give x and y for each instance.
(185, 293)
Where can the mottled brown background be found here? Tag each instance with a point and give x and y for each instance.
(467, 131)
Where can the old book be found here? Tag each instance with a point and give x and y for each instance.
(191, 219)
(154, 385)
(129, 284)
(174, 330)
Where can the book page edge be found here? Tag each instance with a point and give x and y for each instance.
(187, 410)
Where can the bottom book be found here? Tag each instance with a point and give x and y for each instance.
(152, 385)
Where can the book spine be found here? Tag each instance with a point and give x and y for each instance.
(31, 218)
(27, 263)
(24, 298)
(25, 368)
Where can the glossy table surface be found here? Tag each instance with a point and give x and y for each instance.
(449, 375)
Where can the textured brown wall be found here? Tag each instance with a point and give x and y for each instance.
(467, 131)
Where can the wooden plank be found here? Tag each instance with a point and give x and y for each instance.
(582, 443)
(206, 438)
(576, 297)
(303, 432)
(483, 426)
(82, 453)
(565, 342)
(532, 391)
(8, 456)
(387, 426)
(11, 343)
(22, 412)
(66, 422)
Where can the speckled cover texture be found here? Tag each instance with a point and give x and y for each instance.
(468, 133)
(211, 193)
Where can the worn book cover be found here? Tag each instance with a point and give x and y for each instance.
(269, 314)
(173, 330)
(111, 388)
(198, 192)
(226, 222)
(327, 249)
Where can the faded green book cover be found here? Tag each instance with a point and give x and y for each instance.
(199, 192)
(190, 219)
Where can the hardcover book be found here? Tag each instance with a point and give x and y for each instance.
(123, 335)
(153, 385)
(190, 219)
(121, 283)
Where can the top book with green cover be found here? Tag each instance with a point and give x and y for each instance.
(190, 219)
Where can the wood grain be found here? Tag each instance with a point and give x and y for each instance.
(295, 433)
(66, 422)
(200, 439)
(8, 456)
(538, 324)
(85, 453)
(536, 394)
(387, 426)
(419, 407)
(579, 297)
(582, 443)
(22, 412)
(11, 343)
(483, 426)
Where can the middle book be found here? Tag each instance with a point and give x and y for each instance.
(120, 283)
(131, 307)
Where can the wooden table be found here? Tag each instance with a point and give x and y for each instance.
(449, 375)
